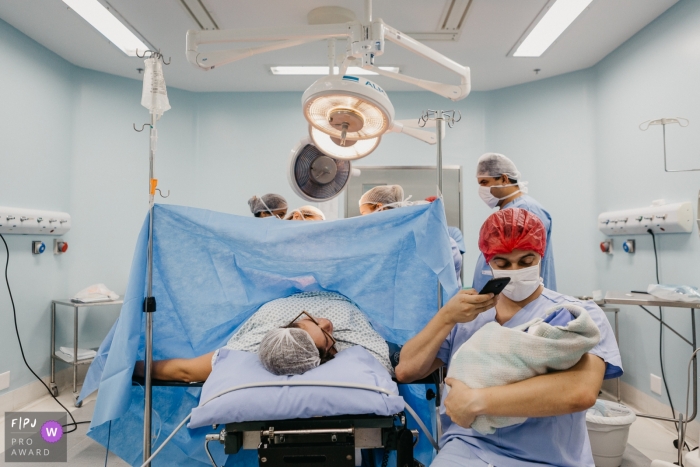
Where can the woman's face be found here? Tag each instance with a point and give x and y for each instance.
(298, 216)
(369, 208)
(516, 259)
(318, 332)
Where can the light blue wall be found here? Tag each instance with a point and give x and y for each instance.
(68, 145)
(35, 137)
(574, 137)
(547, 129)
(655, 74)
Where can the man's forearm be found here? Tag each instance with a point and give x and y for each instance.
(558, 393)
(418, 355)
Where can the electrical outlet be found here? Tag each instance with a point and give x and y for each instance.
(5, 380)
(655, 384)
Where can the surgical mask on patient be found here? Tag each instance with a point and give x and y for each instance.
(523, 282)
(488, 198)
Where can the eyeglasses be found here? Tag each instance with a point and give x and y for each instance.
(313, 320)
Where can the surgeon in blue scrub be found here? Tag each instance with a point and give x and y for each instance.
(500, 186)
(513, 242)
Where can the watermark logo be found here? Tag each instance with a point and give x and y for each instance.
(35, 437)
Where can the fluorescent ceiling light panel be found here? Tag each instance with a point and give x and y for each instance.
(323, 70)
(550, 27)
(101, 19)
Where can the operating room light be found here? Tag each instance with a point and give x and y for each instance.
(350, 151)
(101, 19)
(323, 70)
(550, 27)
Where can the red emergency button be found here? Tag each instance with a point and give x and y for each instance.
(62, 247)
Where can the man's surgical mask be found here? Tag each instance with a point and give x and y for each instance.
(523, 282)
(490, 200)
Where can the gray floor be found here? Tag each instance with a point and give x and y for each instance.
(84, 452)
(634, 458)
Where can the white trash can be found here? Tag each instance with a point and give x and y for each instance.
(608, 429)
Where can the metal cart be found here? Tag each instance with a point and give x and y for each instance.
(76, 362)
(644, 300)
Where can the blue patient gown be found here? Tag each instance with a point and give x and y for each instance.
(482, 272)
(212, 271)
(559, 441)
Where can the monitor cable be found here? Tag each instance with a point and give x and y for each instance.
(661, 335)
(73, 423)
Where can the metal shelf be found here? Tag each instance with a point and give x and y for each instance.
(75, 363)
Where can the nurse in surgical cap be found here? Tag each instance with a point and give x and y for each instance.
(305, 213)
(501, 186)
(381, 198)
(268, 205)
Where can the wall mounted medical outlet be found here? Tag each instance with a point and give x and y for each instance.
(347, 115)
(607, 247)
(38, 247)
(628, 246)
(659, 217)
(59, 246)
(33, 221)
(683, 122)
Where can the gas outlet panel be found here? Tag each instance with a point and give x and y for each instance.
(21, 221)
(660, 217)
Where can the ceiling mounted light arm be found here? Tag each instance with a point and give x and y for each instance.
(281, 38)
(365, 43)
(453, 92)
(402, 126)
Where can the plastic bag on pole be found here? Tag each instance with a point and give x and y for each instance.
(154, 96)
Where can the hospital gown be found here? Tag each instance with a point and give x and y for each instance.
(561, 440)
(350, 327)
(482, 272)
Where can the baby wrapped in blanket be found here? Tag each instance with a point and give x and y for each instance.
(496, 355)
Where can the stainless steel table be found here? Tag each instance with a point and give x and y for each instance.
(76, 362)
(645, 300)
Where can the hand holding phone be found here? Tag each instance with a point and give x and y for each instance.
(495, 286)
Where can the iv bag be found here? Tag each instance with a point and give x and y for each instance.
(154, 96)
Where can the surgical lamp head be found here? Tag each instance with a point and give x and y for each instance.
(347, 108)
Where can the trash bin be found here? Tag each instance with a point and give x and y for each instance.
(608, 429)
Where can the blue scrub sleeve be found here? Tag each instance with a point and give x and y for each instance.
(446, 348)
(607, 347)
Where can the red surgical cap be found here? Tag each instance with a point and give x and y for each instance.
(512, 229)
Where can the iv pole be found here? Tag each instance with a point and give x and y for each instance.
(157, 86)
(440, 117)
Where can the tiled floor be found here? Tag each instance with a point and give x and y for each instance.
(653, 440)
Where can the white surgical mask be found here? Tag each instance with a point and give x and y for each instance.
(490, 200)
(523, 282)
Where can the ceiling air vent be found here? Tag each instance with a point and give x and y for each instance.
(200, 14)
(451, 23)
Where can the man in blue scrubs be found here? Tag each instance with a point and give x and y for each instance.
(513, 242)
(500, 186)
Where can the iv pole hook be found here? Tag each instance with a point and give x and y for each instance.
(142, 127)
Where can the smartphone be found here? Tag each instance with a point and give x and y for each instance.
(495, 286)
